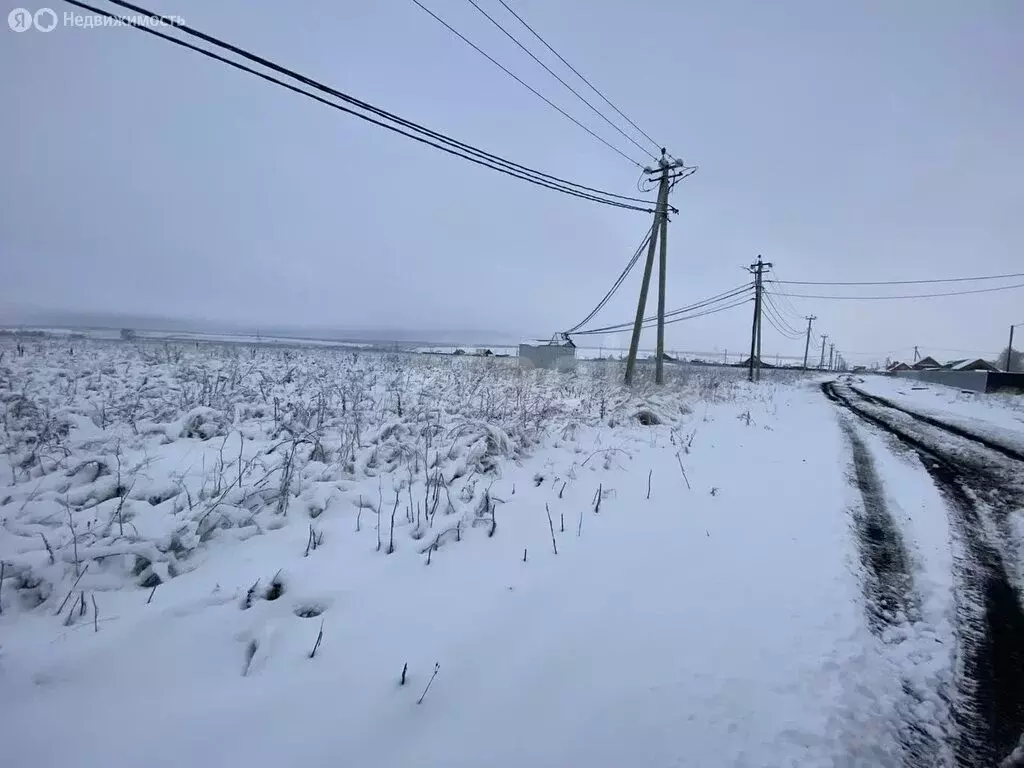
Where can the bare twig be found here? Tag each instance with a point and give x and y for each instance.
(95, 613)
(405, 668)
(680, 460)
(437, 668)
(649, 473)
(391, 544)
(600, 494)
(152, 592)
(72, 590)
(49, 549)
(2, 566)
(319, 637)
(551, 527)
(74, 537)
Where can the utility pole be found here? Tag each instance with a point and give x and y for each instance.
(757, 269)
(660, 226)
(659, 355)
(1009, 351)
(831, 351)
(807, 344)
(917, 355)
(821, 363)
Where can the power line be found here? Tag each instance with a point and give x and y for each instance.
(435, 139)
(773, 309)
(577, 73)
(774, 324)
(914, 296)
(711, 311)
(785, 304)
(778, 323)
(523, 83)
(551, 72)
(618, 282)
(705, 303)
(904, 282)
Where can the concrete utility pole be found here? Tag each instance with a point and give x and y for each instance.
(831, 352)
(660, 226)
(821, 363)
(757, 269)
(807, 344)
(1009, 350)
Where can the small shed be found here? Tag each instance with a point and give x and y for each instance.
(558, 354)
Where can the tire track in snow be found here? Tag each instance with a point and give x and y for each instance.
(989, 708)
(993, 445)
(883, 554)
(892, 604)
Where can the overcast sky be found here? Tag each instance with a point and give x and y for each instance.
(842, 140)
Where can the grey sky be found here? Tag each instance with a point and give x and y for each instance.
(842, 140)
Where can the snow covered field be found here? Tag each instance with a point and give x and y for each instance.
(219, 556)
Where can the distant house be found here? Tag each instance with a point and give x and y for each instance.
(926, 363)
(127, 334)
(976, 364)
(898, 366)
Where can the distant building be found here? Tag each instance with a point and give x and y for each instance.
(926, 363)
(746, 364)
(558, 354)
(127, 334)
(898, 366)
(976, 364)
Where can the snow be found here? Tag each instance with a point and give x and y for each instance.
(999, 416)
(716, 619)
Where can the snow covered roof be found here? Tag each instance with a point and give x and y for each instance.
(977, 364)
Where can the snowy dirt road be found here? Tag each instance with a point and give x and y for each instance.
(978, 484)
(455, 563)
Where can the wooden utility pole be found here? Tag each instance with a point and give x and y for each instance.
(659, 362)
(757, 270)
(807, 344)
(1009, 352)
(660, 225)
(821, 363)
(917, 355)
(831, 352)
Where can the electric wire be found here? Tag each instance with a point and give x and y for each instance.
(523, 83)
(453, 146)
(705, 303)
(679, 319)
(551, 72)
(580, 76)
(904, 282)
(618, 282)
(773, 322)
(909, 296)
(772, 310)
